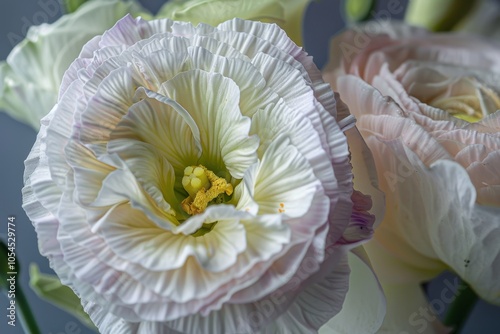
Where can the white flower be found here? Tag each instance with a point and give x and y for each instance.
(195, 180)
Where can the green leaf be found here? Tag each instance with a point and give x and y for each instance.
(462, 306)
(72, 5)
(50, 288)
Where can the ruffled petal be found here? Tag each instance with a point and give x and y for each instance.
(223, 130)
(31, 77)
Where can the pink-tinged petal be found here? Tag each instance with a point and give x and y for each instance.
(489, 124)
(439, 219)
(313, 307)
(107, 106)
(124, 32)
(381, 124)
(363, 99)
(485, 175)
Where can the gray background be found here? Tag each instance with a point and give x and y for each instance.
(322, 21)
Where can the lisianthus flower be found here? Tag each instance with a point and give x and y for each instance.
(195, 180)
(31, 75)
(427, 106)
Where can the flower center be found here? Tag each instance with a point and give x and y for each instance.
(203, 186)
(470, 100)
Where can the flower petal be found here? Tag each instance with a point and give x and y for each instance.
(223, 130)
(364, 306)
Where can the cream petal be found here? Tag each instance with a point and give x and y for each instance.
(165, 125)
(285, 182)
(122, 186)
(161, 250)
(280, 119)
(365, 305)
(223, 130)
(154, 173)
(407, 310)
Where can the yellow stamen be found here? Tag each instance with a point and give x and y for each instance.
(471, 106)
(202, 186)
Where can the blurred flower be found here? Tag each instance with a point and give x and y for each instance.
(31, 76)
(195, 180)
(288, 14)
(427, 106)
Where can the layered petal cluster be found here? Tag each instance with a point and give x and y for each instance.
(427, 106)
(31, 75)
(195, 180)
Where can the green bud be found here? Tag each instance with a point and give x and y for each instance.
(71, 6)
(443, 15)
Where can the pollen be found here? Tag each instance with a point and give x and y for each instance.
(281, 209)
(203, 186)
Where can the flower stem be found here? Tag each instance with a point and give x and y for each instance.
(27, 318)
(460, 308)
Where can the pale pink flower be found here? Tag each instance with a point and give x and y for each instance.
(427, 107)
(195, 180)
